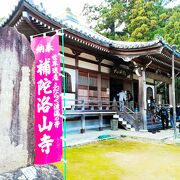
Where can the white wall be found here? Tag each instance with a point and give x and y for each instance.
(70, 97)
(105, 69)
(69, 61)
(68, 50)
(107, 62)
(88, 65)
(148, 80)
(88, 56)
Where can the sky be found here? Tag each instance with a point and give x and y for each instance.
(54, 7)
(57, 7)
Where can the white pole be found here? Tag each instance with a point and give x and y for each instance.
(173, 95)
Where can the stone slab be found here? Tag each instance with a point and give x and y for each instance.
(47, 172)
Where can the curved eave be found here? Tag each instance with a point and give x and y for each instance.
(40, 21)
(51, 22)
(47, 24)
(157, 56)
(139, 49)
(13, 16)
(171, 49)
(57, 24)
(129, 54)
(130, 46)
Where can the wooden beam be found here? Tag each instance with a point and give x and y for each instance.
(129, 54)
(31, 25)
(76, 54)
(158, 77)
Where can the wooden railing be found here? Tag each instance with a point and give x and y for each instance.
(78, 104)
(133, 118)
(82, 109)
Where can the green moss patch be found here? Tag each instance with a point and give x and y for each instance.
(119, 159)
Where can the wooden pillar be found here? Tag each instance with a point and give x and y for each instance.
(100, 122)
(165, 93)
(142, 98)
(82, 123)
(99, 77)
(99, 91)
(170, 95)
(76, 55)
(99, 86)
(155, 91)
(173, 94)
(132, 87)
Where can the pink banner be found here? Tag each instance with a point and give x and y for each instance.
(48, 102)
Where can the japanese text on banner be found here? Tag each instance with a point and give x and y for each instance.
(48, 101)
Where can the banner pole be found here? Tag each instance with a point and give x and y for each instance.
(48, 32)
(173, 93)
(64, 106)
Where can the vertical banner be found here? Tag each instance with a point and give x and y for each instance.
(48, 100)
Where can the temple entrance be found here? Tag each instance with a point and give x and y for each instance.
(116, 85)
(162, 93)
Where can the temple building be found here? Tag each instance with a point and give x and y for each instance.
(97, 69)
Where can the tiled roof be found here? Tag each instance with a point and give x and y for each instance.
(81, 30)
(89, 33)
(133, 45)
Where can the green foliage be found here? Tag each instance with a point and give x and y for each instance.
(91, 12)
(172, 27)
(108, 17)
(122, 159)
(144, 20)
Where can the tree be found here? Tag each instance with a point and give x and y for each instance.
(108, 16)
(92, 13)
(172, 27)
(142, 20)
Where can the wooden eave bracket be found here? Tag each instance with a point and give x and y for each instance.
(127, 56)
(99, 59)
(76, 53)
(26, 17)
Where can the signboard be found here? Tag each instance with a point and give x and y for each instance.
(119, 72)
(48, 100)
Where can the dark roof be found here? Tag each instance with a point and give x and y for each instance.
(30, 19)
(77, 28)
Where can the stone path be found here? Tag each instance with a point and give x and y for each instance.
(162, 136)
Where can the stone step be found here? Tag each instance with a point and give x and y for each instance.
(154, 127)
(128, 126)
(116, 116)
(156, 122)
(124, 122)
(133, 129)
